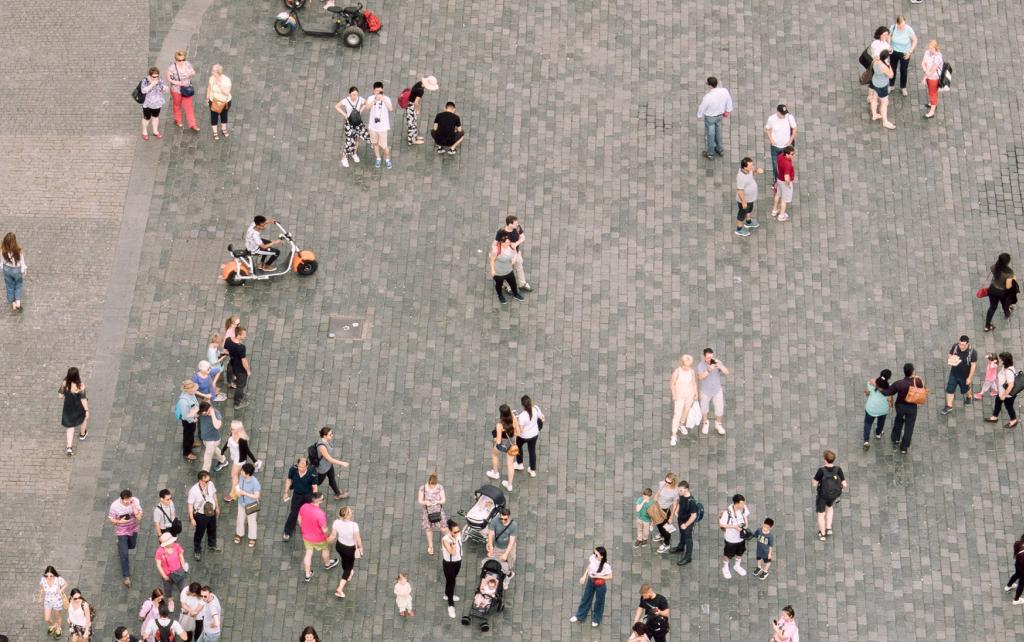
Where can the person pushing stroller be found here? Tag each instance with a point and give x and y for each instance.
(502, 536)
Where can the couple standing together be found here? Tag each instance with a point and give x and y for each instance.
(694, 390)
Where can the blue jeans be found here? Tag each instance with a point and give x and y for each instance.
(775, 162)
(591, 594)
(125, 543)
(13, 281)
(713, 134)
(868, 420)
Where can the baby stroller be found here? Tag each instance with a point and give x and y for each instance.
(489, 500)
(489, 596)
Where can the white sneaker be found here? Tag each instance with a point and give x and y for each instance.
(719, 428)
(664, 548)
(518, 466)
(683, 430)
(672, 441)
(704, 427)
(344, 161)
(1008, 588)
(258, 466)
(739, 569)
(355, 157)
(455, 598)
(573, 619)
(1019, 601)
(594, 624)
(451, 612)
(507, 485)
(220, 397)
(725, 572)
(533, 473)
(493, 474)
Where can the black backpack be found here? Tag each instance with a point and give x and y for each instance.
(831, 485)
(313, 452)
(164, 633)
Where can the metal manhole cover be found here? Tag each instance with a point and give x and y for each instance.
(350, 328)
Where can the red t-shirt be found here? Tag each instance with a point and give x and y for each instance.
(786, 168)
(314, 521)
(169, 558)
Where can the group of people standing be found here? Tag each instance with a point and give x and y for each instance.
(695, 392)
(887, 57)
(178, 82)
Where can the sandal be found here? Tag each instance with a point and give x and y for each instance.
(252, 543)
(339, 595)
(215, 135)
(1011, 424)
(989, 328)
(225, 132)
(821, 536)
(430, 551)
(238, 540)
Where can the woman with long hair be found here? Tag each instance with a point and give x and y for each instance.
(12, 258)
(878, 97)
(348, 543)
(192, 605)
(504, 433)
(237, 447)
(51, 594)
(999, 289)
(596, 575)
(1004, 384)
(81, 616)
(531, 420)
(75, 413)
(877, 406)
(309, 634)
(432, 498)
(150, 609)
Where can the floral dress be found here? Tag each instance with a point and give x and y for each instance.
(434, 498)
(52, 593)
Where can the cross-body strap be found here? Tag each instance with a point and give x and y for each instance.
(507, 526)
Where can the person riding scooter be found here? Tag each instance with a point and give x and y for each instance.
(259, 246)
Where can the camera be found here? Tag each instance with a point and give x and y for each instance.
(376, 120)
(714, 362)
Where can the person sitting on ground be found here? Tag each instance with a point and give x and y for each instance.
(447, 130)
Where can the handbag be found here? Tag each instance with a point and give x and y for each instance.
(598, 581)
(917, 395)
(865, 76)
(513, 450)
(187, 91)
(217, 106)
(187, 622)
(137, 94)
(695, 415)
(253, 508)
(434, 514)
(982, 292)
(656, 513)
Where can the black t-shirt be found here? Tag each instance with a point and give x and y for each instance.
(967, 357)
(657, 602)
(446, 123)
(687, 506)
(302, 484)
(828, 470)
(416, 91)
(513, 235)
(237, 353)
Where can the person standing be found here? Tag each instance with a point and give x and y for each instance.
(211, 616)
(179, 77)
(203, 511)
(206, 377)
(765, 553)
(962, 360)
(239, 361)
(239, 452)
(313, 526)
(999, 289)
(191, 618)
(502, 266)
(784, 185)
(643, 519)
(1018, 571)
(350, 107)
(904, 42)
(327, 461)
(451, 563)
(878, 97)
(218, 97)
(667, 500)
(596, 575)
(412, 112)
(431, 498)
(683, 386)
(121, 634)
(781, 132)
(531, 422)
(301, 484)
(403, 595)
(686, 517)
(380, 108)
(447, 130)
(75, 413)
(125, 513)
(1004, 384)
(163, 627)
(746, 194)
(733, 523)
(53, 598)
(171, 566)
(829, 481)
(153, 88)
(209, 433)
(882, 42)
(906, 412)
(502, 539)
(504, 433)
(247, 490)
(349, 544)
(877, 406)
(655, 612)
(716, 105)
(517, 236)
(151, 608)
(709, 378)
(12, 258)
(186, 410)
(784, 629)
(931, 65)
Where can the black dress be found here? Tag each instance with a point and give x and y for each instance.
(73, 413)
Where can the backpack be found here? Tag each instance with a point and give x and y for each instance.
(313, 452)
(137, 94)
(699, 510)
(372, 21)
(164, 633)
(404, 98)
(831, 486)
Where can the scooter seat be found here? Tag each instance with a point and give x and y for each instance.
(351, 11)
(237, 253)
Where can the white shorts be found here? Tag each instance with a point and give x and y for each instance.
(785, 192)
(379, 139)
(719, 401)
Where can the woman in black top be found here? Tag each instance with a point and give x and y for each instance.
(76, 407)
(1000, 289)
(412, 112)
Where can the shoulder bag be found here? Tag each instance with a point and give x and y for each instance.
(656, 512)
(917, 395)
(175, 528)
(187, 91)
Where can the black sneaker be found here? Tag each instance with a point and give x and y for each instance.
(675, 549)
(763, 575)
(683, 562)
(504, 301)
(331, 564)
(452, 152)
(967, 399)
(946, 410)
(438, 149)
(518, 297)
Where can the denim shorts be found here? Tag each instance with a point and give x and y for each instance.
(954, 382)
(883, 92)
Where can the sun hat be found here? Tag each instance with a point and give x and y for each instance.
(167, 539)
(430, 83)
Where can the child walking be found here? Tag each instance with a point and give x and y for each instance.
(765, 548)
(990, 377)
(403, 595)
(643, 520)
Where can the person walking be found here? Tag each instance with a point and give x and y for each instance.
(151, 608)
(313, 526)
(878, 98)
(186, 410)
(326, 462)
(829, 481)
(784, 629)
(531, 422)
(716, 105)
(380, 108)
(80, 617)
(239, 452)
(1002, 283)
(171, 566)
(1017, 578)
(733, 523)
(781, 132)
(247, 490)
(502, 264)
(153, 88)
(1005, 385)
(654, 611)
(709, 384)
(75, 413)
(239, 361)
(502, 541)
(432, 498)
(53, 598)
(349, 545)
(350, 107)
(179, 77)
(962, 360)
(687, 512)
(447, 131)
(300, 486)
(451, 563)
(931, 65)
(12, 259)
(746, 194)
(904, 42)
(210, 421)
(597, 572)
(165, 516)
(877, 406)
(412, 111)
(218, 97)
(683, 386)
(125, 513)
(203, 511)
(505, 433)
(666, 499)
(212, 623)
(906, 411)
(784, 185)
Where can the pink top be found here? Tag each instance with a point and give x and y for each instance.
(403, 589)
(118, 510)
(990, 373)
(314, 521)
(169, 558)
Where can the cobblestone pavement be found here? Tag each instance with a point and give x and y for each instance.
(580, 119)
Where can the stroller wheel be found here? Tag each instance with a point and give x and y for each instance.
(485, 627)
(501, 607)
(465, 620)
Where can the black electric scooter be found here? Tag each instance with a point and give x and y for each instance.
(346, 22)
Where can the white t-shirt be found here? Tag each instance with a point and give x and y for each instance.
(149, 630)
(877, 47)
(211, 609)
(345, 531)
(233, 450)
(1006, 377)
(191, 602)
(731, 518)
(528, 426)
(781, 128)
(380, 116)
(592, 565)
(348, 106)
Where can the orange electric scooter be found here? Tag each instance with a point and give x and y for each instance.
(241, 268)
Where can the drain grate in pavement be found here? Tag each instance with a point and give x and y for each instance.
(349, 328)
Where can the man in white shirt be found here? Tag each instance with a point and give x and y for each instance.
(259, 246)
(781, 132)
(733, 521)
(211, 616)
(203, 510)
(163, 624)
(715, 105)
(380, 109)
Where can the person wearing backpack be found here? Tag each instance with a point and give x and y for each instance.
(1009, 386)
(963, 360)
(162, 628)
(830, 482)
(350, 107)
(688, 513)
(412, 108)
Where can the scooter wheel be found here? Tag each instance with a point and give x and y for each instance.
(306, 268)
(282, 27)
(353, 36)
(294, 4)
(233, 279)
